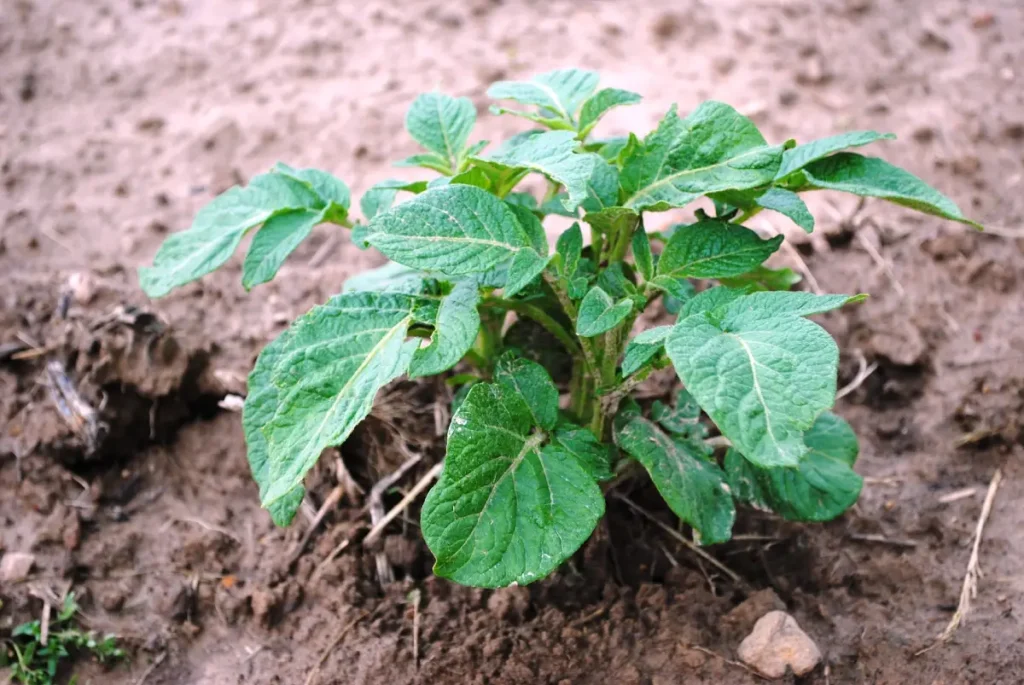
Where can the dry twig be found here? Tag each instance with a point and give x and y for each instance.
(863, 372)
(403, 505)
(376, 502)
(970, 587)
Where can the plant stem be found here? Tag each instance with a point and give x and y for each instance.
(540, 316)
(747, 215)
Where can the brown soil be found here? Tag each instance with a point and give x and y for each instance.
(118, 120)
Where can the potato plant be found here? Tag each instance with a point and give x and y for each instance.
(544, 338)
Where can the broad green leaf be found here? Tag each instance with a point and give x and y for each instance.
(788, 204)
(552, 153)
(591, 453)
(319, 381)
(220, 226)
(643, 348)
(613, 220)
(873, 177)
(823, 486)
(763, 278)
(509, 506)
(713, 249)
(713, 149)
(391, 277)
(600, 103)
(761, 371)
(692, 486)
(455, 229)
(382, 195)
(800, 156)
(559, 94)
(455, 331)
(642, 254)
(534, 385)
(599, 313)
(277, 239)
(441, 124)
(569, 248)
(602, 187)
(525, 266)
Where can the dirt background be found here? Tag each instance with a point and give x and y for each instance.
(119, 119)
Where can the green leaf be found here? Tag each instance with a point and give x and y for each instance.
(533, 384)
(802, 155)
(613, 220)
(642, 254)
(382, 195)
(761, 371)
(220, 226)
(713, 249)
(441, 124)
(456, 230)
(472, 177)
(320, 380)
(591, 453)
(873, 177)
(391, 277)
(763, 278)
(509, 507)
(334, 195)
(823, 486)
(455, 331)
(552, 153)
(598, 313)
(559, 94)
(714, 149)
(710, 300)
(681, 418)
(643, 348)
(610, 149)
(598, 104)
(602, 187)
(429, 160)
(277, 239)
(569, 248)
(788, 204)
(692, 486)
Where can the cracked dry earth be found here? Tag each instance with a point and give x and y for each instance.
(119, 119)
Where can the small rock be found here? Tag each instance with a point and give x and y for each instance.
(777, 642)
(15, 566)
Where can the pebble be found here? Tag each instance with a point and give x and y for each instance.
(778, 643)
(16, 566)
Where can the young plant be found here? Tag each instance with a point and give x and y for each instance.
(472, 281)
(34, 661)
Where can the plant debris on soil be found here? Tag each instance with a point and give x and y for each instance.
(125, 481)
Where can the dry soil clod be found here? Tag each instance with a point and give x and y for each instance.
(778, 643)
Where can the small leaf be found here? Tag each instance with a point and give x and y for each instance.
(382, 195)
(692, 486)
(714, 149)
(391, 277)
(600, 103)
(455, 331)
(429, 160)
(598, 313)
(761, 372)
(332, 191)
(802, 155)
(644, 347)
(455, 229)
(613, 220)
(220, 226)
(570, 247)
(508, 507)
(763, 278)
(312, 385)
(558, 94)
(821, 488)
(441, 124)
(533, 384)
(681, 418)
(642, 254)
(552, 153)
(872, 177)
(277, 239)
(788, 204)
(714, 249)
(591, 453)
